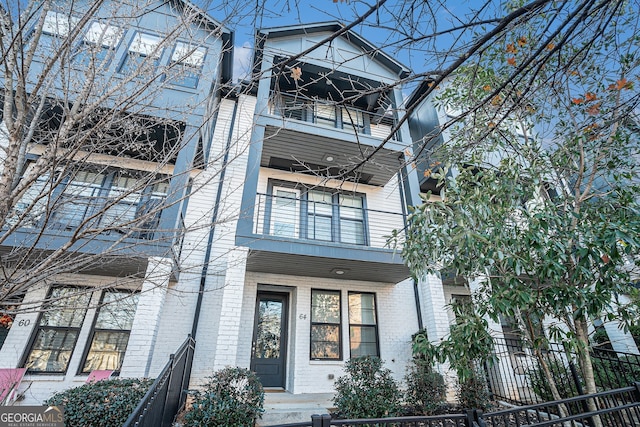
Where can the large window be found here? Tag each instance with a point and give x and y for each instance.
(110, 334)
(363, 329)
(57, 332)
(186, 64)
(325, 325)
(99, 43)
(144, 51)
(324, 215)
(63, 314)
(58, 24)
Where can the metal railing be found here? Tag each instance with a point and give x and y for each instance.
(76, 204)
(167, 395)
(620, 407)
(450, 420)
(301, 219)
(614, 408)
(517, 376)
(330, 114)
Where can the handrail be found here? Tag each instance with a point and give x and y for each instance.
(159, 405)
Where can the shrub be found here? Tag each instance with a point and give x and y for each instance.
(233, 397)
(425, 389)
(105, 403)
(367, 391)
(562, 376)
(612, 372)
(473, 392)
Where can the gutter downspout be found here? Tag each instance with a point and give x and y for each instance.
(214, 219)
(416, 294)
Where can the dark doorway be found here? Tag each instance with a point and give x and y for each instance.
(269, 348)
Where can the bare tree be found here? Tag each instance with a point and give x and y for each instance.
(103, 127)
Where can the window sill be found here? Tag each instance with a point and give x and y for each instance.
(326, 362)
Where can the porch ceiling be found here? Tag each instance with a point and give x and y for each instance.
(284, 145)
(315, 266)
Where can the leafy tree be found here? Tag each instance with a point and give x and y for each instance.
(540, 174)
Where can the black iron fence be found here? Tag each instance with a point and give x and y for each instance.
(166, 396)
(614, 408)
(518, 377)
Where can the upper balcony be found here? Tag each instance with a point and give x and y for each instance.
(325, 113)
(104, 212)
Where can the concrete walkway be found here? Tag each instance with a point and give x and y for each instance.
(281, 407)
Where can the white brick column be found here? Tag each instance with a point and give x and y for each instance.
(504, 379)
(230, 314)
(137, 359)
(436, 322)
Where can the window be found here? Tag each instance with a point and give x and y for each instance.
(319, 215)
(353, 119)
(284, 212)
(325, 325)
(111, 330)
(57, 331)
(363, 330)
(58, 24)
(143, 46)
(99, 43)
(351, 220)
(325, 215)
(186, 64)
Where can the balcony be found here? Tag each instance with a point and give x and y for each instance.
(328, 114)
(103, 206)
(321, 234)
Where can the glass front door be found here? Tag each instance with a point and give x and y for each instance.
(269, 339)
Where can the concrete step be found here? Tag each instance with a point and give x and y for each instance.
(284, 407)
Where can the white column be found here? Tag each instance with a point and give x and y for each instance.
(436, 322)
(504, 379)
(137, 359)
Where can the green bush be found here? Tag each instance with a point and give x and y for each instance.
(367, 391)
(562, 376)
(426, 390)
(473, 392)
(105, 403)
(233, 397)
(614, 372)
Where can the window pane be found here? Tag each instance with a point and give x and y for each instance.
(362, 309)
(319, 228)
(66, 308)
(107, 350)
(103, 34)
(325, 341)
(363, 341)
(351, 232)
(145, 44)
(118, 310)
(284, 215)
(325, 307)
(51, 350)
(58, 24)
(191, 55)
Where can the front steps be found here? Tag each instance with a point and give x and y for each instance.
(281, 407)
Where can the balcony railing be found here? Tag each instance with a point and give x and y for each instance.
(329, 114)
(333, 223)
(84, 205)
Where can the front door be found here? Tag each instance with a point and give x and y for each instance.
(269, 338)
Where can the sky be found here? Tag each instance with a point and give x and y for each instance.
(379, 28)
